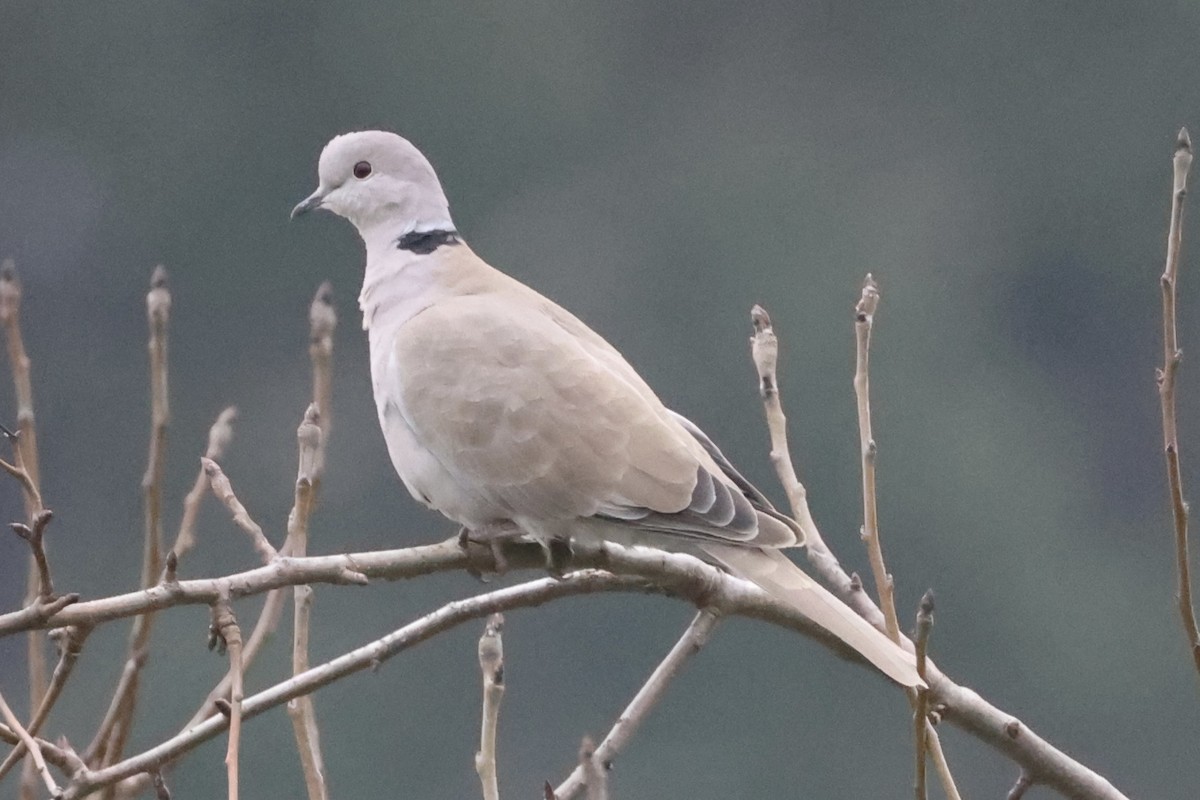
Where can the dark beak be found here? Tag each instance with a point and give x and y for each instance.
(308, 204)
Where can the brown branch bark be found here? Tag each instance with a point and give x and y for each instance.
(963, 707)
(1172, 356)
(301, 710)
(693, 639)
(71, 641)
(636, 569)
(227, 635)
(158, 311)
(491, 667)
(219, 437)
(26, 458)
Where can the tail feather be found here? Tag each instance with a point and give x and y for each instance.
(776, 574)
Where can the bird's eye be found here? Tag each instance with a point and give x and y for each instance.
(362, 169)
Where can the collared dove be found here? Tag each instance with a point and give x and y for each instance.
(504, 411)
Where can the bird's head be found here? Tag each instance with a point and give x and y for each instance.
(378, 179)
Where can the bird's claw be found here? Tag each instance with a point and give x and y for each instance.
(558, 557)
(491, 537)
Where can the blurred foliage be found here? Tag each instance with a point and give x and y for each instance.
(1002, 169)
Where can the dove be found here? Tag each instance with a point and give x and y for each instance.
(505, 412)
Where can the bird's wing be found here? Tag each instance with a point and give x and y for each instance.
(522, 412)
(775, 573)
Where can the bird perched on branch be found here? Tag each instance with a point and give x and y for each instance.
(505, 412)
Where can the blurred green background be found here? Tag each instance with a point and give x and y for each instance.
(1003, 170)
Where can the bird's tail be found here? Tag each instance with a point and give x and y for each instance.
(776, 574)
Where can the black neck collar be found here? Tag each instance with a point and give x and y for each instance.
(425, 242)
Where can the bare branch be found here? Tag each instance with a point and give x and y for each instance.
(161, 792)
(1018, 789)
(70, 641)
(764, 348)
(219, 437)
(595, 775)
(158, 312)
(62, 758)
(33, 534)
(864, 317)
(228, 636)
(26, 457)
(491, 665)
(864, 320)
(301, 710)
(31, 745)
(693, 639)
(223, 489)
(366, 657)
(921, 716)
(962, 706)
(637, 569)
(1172, 355)
(322, 320)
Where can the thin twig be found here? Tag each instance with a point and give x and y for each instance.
(301, 710)
(95, 752)
(1018, 789)
(921, 717)
(227, 636)
(764, 347)
(864, 318)
(693, 639)
(34, 535)
(632, 569)
(366, 657)
(223, 490)
(595, 775)
(268, 620)
(1172, 355)
(161, 792)
(70, 642)
(64, 759)
(219, 437)
(322, 320)
(31, 745)
(158, 312)
(491, 665)
(26, 458)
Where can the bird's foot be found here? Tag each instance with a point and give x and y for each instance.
(558, 556)
(492, 537)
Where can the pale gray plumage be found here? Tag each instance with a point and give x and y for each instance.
(500, 408)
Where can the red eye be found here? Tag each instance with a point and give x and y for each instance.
(362, 169)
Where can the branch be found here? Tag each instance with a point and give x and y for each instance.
(26, 458)
(864, 318)
(71, 645)
(1172, 355)
(362, 658)
(595, 777)
(158, 311)
(322, 320)
(31, 745)
(921, 717)
(62, 758)
(963, 707)
(223, 490)
(34, 535)
(693, 639)
(219, 437)
(491, 665)
(225, 634)
(301, 711)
